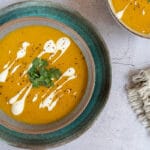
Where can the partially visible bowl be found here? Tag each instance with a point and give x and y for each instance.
(116, 16)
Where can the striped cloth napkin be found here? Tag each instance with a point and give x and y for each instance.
(139, 96)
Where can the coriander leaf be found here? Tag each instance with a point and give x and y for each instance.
(55, 73)
(39, 75)
(38, 62)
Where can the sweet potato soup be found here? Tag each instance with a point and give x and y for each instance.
(134, 13)
(43, 74)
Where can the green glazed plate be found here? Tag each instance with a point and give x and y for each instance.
(102, 73)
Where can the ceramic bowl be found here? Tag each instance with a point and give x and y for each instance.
(99, 74)
(122, 24)
(51, 127)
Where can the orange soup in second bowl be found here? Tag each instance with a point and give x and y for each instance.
(134, 14)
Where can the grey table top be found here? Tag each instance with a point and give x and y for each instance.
(117, 127)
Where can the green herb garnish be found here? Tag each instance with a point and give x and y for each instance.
(39, 75)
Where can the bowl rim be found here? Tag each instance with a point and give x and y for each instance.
(77, 111)
(122, 24)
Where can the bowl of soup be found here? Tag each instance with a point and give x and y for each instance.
(133, 15)
(55, 74)
(46, 75)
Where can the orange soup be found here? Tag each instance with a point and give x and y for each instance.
(134, 13)
(40, 104)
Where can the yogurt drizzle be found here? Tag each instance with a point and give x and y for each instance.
(20, 54)
(50, 102)
(50, 47)
(120, 14)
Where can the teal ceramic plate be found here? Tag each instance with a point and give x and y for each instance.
(102, 73)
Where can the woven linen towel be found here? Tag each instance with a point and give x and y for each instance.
(139, 96)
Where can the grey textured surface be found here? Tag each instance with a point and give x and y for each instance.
(117, 127)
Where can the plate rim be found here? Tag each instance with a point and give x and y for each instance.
(89, 89)
(109, 73)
